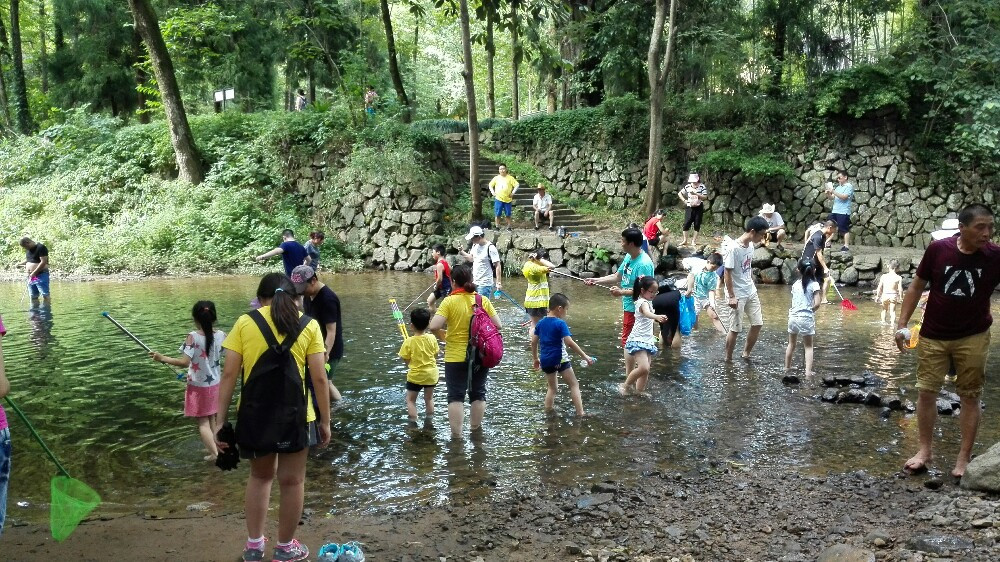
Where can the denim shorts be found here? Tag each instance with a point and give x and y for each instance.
(485, 290)
(5, 450)
(500, 208)
(39, 285)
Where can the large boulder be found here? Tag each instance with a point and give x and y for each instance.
(983, 473)
(867, 262)
(762, 257)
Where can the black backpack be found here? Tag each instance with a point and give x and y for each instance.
(272, 413)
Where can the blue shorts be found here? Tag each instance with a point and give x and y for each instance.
(5, 450)
(499, 208)
(39, 285)
(843, 222)
(485, 290)
(552, 369)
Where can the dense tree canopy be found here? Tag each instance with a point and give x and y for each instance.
(934, 63)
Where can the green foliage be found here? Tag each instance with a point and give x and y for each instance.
(614, 123)
(737, 150)
(442, 126)
(863, 89)
(97, 191)
(602, 254)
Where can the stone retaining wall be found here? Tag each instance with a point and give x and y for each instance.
(897, 201)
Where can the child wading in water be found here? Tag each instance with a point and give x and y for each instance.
(548, 347)
(202, 350)
(536, 296)
(442, 278)
(806, 298)
(641, 343)
(703, 287)
(420, 354)
(890, 291)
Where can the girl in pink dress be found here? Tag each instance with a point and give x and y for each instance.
(201, 354)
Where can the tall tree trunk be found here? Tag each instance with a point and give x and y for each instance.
(657, 68)
(491, 52)
(416, 50)
(4, 49)
(43, 58)
(21, 110)
(185, 151)
(397, 78)
(470, 95)
(778, 53)
(141, 78)
(515, 42)
(550, 93)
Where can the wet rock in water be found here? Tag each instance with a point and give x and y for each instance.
(944, 407)
(885, 413)
(858, 380)
(853, 396)
(791, 379)
(829, 380)
(950, 396)
(846, 553)
(934, 483)
(604, 487)
(892, 401)
(594, 500)
(939, 544)
(843, 380)
(909, 407)
(830, 395)
(983, 473)
(871, 379)
(873, 399)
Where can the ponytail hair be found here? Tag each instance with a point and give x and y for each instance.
(807, 273)
(203, 313)
(461, 276)
(284, 310)
(641, 284)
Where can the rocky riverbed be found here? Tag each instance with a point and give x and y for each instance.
(718, 511)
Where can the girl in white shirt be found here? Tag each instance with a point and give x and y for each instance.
(641, 342)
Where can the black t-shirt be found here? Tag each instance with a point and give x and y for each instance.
(36, 254)
(325, 308)
(816, 243)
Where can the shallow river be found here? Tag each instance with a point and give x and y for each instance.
(114, 416)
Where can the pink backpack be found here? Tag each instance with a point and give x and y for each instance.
(485, 339)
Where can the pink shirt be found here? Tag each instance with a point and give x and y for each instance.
(3, 419)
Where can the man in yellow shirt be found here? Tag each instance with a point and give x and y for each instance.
(502, 187)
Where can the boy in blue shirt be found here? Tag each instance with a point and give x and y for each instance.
(548, 347)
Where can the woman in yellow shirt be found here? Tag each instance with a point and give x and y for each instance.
(454, 315)
(244, 346)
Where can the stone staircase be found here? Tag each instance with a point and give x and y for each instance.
(565, 216)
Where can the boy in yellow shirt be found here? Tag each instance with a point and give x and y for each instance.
(419, 352)
(503, 186)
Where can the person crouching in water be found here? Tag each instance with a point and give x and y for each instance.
(668, 303)
(806, 298)
(703, 286)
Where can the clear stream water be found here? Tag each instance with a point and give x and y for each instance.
(114, 417)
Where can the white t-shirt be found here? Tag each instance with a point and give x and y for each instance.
(642, 330)
(483, 258)
(204, 368)
(774, 221)
(738, 262)
(802, 303)
(542, 203)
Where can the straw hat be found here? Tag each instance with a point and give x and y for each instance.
(766, 209)
(949, 228)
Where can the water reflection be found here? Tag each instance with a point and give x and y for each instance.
(40, 318)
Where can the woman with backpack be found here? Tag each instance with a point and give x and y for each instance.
(463, 374)
(276, 422)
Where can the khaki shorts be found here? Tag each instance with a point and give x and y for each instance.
(734, 318)
(969, 355)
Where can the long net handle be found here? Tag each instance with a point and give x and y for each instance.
(37, 437)
(434, 284)
(578, 278)
(179, 374)
(398, 315)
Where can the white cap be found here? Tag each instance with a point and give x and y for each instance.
(949, 228)
(693, 177)
(473, 232)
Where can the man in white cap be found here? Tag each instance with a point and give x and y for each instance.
(485, 260)
(775, 225)
(963, 271)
